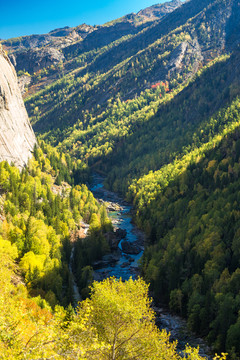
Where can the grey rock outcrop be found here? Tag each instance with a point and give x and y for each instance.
(58, 39)
(35, 52)
(178, 55)
(17, 138)
(185, 54)
(114, 237)
(160, 10)
(33, 60)
(23, 82)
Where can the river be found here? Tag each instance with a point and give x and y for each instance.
(118, 264)
(125, 265)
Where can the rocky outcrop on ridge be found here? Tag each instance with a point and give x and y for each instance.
(17, 138)
(58, 38)
(158, 11)
(35, 52)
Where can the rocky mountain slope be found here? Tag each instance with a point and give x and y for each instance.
(35, 52)
(17, 139)
(158, 11)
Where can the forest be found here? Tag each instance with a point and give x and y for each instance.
(156, 110)
(39, 219)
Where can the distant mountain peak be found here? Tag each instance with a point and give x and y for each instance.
(160, 10)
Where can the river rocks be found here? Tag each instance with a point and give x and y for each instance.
(107, 260)
(125, 264)
(177, 326)
(129, 258)
(110, 205)
(100, 276)
(112, 240)
(114, 237)
(116, 222)
(113, 206)
(131, 248)
(121, 233)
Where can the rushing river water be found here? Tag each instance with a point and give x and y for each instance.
(120, 264)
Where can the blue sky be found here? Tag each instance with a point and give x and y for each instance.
(25, 17)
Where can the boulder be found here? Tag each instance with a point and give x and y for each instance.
(113, 240)
(125, 264)
(121, 233)
(130, 248)
(111, 206)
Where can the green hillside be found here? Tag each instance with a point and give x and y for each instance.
(190, 211)
(168, 50)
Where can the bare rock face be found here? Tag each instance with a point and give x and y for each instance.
(23, 82)
(33, 60)
(17, 138)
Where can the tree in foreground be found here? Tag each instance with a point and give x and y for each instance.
(117, 322)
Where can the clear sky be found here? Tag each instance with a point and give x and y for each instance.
(25, 17)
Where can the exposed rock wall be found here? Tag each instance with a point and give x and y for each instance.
(33, 60)
(17, 138)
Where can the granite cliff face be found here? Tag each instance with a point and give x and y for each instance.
(17, 138)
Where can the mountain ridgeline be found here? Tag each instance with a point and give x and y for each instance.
(152, 101)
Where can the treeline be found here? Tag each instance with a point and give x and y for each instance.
(172, 147)
(38, 218)
(189, 210)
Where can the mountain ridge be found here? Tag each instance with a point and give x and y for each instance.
(45, 49)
